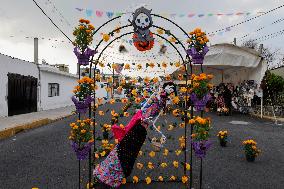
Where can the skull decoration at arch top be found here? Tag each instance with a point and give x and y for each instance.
(143, 38)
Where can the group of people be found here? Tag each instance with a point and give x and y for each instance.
(227, 98)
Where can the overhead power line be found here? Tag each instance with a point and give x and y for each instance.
(248, 20)
(52, 21)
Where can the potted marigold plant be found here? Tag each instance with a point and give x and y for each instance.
(83, 38)
(200, 88)
(200, 142)
(223, 136)
(251, 150)
(83, 94)
(197, 46)
(81, 135)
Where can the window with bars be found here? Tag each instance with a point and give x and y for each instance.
(53, 89)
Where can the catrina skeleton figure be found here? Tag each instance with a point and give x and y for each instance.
(143, 38)
(120, 161)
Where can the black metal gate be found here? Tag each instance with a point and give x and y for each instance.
(22, 94)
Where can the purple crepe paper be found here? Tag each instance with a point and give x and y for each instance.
(200, 147)
(83, 59)
(81, 153)
(82, 106)
(197, 57)
(199, 104)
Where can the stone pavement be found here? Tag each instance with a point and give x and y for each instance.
(9, 126)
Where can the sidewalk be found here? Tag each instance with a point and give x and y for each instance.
(10, 126)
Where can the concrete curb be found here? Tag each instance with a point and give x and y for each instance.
(268, 118)
(6, 133)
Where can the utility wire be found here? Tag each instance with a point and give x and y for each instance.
(52, 21)
(248, 20)
(275, 22)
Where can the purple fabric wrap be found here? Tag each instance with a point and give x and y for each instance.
(83, 152)
(199, 104)
(197, 57)
(200, 147)
(82, 106)
(83, 59)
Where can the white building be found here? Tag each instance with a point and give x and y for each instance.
(29, 87)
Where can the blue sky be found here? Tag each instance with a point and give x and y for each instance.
(22, 19)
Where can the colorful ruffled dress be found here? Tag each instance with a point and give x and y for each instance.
(120, 161)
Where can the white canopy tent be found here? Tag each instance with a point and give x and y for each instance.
(232, 64)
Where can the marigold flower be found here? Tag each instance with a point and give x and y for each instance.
(171, 127)
(135, 179)
(140, 153)
(139, 66)
(160, 178)
(127, 66)
(124, 100)
(172, 178)
(180, 76)
(123, 181)
(166, 151)
(176, 100)
(164, 65)
(152, 154)
(137, 100)
(178, 152)
(139, 165)
(146, 80)
(160, 31)
(168, 77)
(150, 165)
(106, 37)
(148, 180)
(182, 125)
(101, 113)
(163, 165)
(175, 163)
(176, 112)
(187, 166)
(112, 101)
(126, 114)
(152, 65)
(184, 179)
(155, 79)
(177, 64)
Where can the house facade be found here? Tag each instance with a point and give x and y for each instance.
(28, 87)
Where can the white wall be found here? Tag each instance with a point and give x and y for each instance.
(12, 65)
(66, 85)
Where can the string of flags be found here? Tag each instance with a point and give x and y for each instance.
(110, 14)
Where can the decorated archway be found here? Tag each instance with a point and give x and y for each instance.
(128, 140)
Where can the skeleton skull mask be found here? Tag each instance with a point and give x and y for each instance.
(142, 21)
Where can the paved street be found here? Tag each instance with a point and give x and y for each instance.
(43, 157)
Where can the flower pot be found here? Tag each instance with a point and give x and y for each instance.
(223, 143)
(250, 158)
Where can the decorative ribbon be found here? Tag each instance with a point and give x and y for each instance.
(83, 59)
(197, 57)
(82, 106)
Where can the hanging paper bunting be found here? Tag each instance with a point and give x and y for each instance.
(230, 14)
(200, 15)
(99, 13)
(210, 14)
(89, 12)
(118, 14)
(109, 14)
(181, 15)
(191, 15)
(79, 9)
